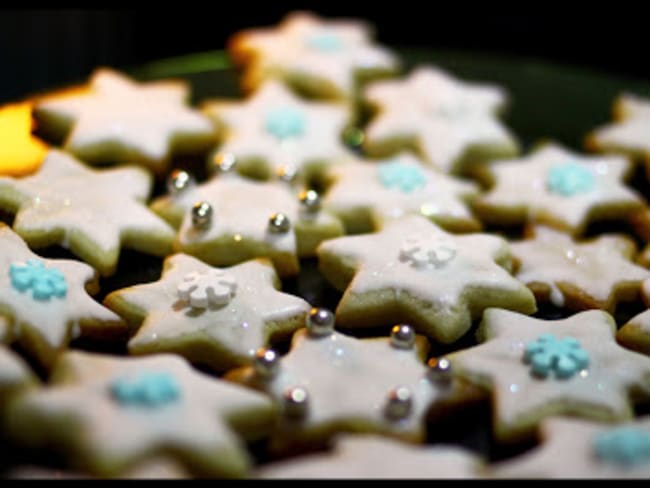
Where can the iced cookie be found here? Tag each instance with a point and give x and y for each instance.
(635, 334)
(320, 57)
(559, 188)
(579, 275)
(371, 456)
(230, 219)
(273, 131)
(573, 448)
(106, 414)
(452, 124)
(159, 469)
(46, 302)
(118, 120)
(20, 152)
(330, 382)
(364, 194)
(538, 368)
(630, 132)
(91, 212)
(413, 271)
(15, 376)
(214, 316)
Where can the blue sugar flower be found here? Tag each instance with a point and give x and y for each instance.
(564, 357)
(285, 122)
(569, 179)
(405, 177)
(324, 41)
(147, 389)
(45, 283)
(624, 446)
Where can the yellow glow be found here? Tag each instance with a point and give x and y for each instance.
(20, 152)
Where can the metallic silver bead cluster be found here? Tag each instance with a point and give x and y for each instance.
(279, 223)
(440, 370)
(402, 336)
(266, 363)
(399, 403)
(296, 402)
(179, 181)
(320, 322)
(201, 215)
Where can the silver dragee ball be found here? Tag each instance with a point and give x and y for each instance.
(296, 402)
(402, 336)
(201, 214)
(179, 181)
(223, 162)
(266, 363)
(439, 370)
(287, 173)
(399, 403)
(279, 223)
(310, 200)
(320, 322)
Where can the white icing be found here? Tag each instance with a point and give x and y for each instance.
(14, 372)
(53, 320)
(596, 267)
(194, 424)
(286, 49)
(203, 290)
(248, 138)
(138, 117)
(445, 115)
(376, 258)
(357, 186)
(103, 205)
(330, 368)
(604, 385)
(372, 456)
(632, 131)
(241, 327)
(567, 452)
(522, 183)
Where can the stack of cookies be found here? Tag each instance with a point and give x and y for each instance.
(459, 273)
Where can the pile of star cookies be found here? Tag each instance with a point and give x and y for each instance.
(403, 188)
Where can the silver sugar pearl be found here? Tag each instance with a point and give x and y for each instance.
(179, 181)
(399, 403)
(223, 162)
(201, 214)
(310, 200)
(279, 223)
(439, 370)
(320, 322)
(296, 402)
(266, 363)
(286, 173)
(402, 336)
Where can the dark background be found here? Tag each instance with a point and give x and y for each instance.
(45, 48)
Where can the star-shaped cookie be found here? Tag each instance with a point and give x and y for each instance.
(20, 152)
(321, 57)
(450, 123)
(106, 414)
(344, 384)
(273, 130)
(575, 448)
(91, 212)
(413, 271)
(217, 317)
(243, 222)
(630, 132)
(121, 120)
(372, 456)
(635, 334)
(537, 368)
(594, 274)
(560, 188)
(45, 302)
(364, 193)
